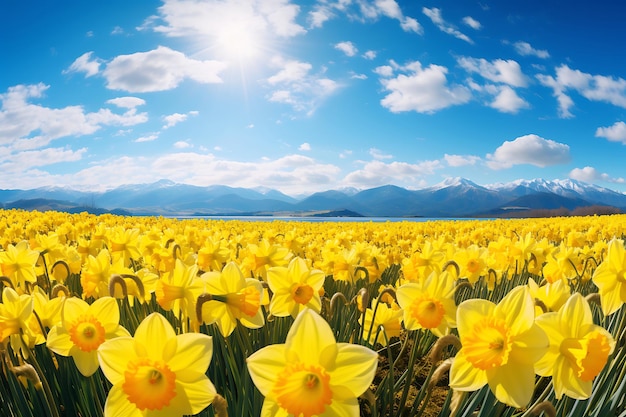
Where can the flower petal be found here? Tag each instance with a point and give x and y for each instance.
(469, 312)
(518, 309)
(59, 341)
(73, 308)
(86, 362)
(513, 383)
(117, 404)
(309, 335)
(107, 312)
(463, 375)
(192, 398)
(193, 350)
(264, 366)
(355, 367)
(152, 333)
(114, 355)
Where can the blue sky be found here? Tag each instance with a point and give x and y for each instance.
(305, 96)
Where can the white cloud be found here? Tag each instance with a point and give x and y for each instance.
(85, 64)
(346, 153)
(434, 14)
(304, 147)
(214, 18)
(182, 144)
(460, 160)
(362, 11)
(525, 49)
(347, 48)
(507, 101)
(590, 174)
(175, 118)
(127, 102)
(529, 149)
(158, 70)
(424, 90)
(148, 138)
(593, 87)
(498, 70)
(369, 55)
(615, 133)
(22, 161)
(117, 30)
(471, 22)
(293, 84)
(359, 76)
(376, 173)
(27, 126)
(378, 154)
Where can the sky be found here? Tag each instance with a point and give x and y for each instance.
(307, 96)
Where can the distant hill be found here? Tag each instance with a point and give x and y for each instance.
(454, 197)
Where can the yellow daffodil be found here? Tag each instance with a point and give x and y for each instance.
(429, 303)
(157, 373)
(387, 319)
(124, 245)
(83, 329)
(500, 344)
(178, 289)
(610, 278)
(48, 309)
(18, 263)
(265, 255)
(295, 287)
(548, 297)
(311, 374)
(234, 298)
(18, 324)
(578, 351)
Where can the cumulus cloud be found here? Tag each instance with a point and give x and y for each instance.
(499, 70)
(507, 101)
(423, 90)
(182, 144)
(304, 147)
(25, 125)
(127, 102)
(376, 173)
(460, 160)
(525, 49)
(85, 64)
(213, 18)
(158, 70)
(434, 14)
(347, 48)
(295, 85)
(593, 87)
(363, 12)
(378, 154)
(175, 118)
(529, 149)
(471, 22)
(369, 55)
(590, 174)
(614, 133)
(147, 138)
(21, 161)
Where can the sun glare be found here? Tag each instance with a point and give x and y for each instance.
(237, 42)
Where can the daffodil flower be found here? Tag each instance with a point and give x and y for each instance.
(157, 373)
(295, 287)
(233, 298)
(610, 278)
(578, 351)
(311, 374)
(500, 345)
(83, 329)
(18, 324)
(429, 303)
(387, 317)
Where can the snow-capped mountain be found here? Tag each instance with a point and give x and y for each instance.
(453, 197)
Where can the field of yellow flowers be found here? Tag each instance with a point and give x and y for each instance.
(150, 316)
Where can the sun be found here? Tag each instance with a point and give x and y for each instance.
(240, 42)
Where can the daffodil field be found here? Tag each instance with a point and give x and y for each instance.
(150, 316)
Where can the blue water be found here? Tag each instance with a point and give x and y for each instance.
(328, 219)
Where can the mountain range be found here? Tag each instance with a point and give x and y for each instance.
(454, 197)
